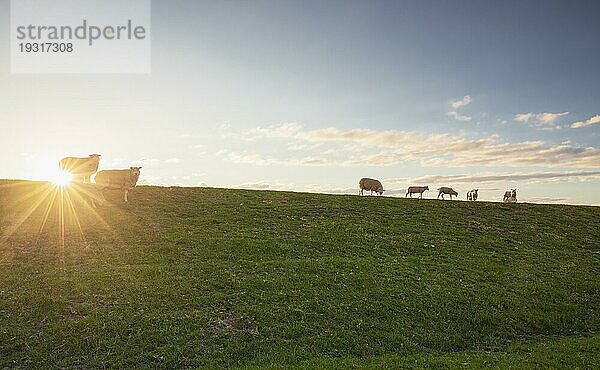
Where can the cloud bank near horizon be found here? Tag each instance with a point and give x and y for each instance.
(366, 147)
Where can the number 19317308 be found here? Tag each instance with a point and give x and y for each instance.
(45, 47)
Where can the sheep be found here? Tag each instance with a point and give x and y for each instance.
(445, 190)
(416, 189)
(510, 196)
(370, 184)
(80, 168)
(119, 179)
(472, 194)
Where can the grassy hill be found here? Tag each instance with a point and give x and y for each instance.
(195, 277)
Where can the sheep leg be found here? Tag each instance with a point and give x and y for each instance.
(125, 197)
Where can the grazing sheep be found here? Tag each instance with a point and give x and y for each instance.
(510, 196)
(370, 184)
(81, 168)
(472, 194)
(119, 179)
(416, 189)
(445, 190)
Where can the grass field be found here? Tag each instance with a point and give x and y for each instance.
(202, 277)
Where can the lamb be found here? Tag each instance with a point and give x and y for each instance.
(472, 194)
(416, 189)
(445, 190)
(81, 168)
(370, 184)
(510, 196)
(119, 179)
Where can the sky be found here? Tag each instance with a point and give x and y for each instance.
(313, 95)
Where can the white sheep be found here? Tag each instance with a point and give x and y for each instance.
(446, 190)
(81, 168)
(472, 194)
(510, 196)
(416, 189)
(371, 185)
(118, 179)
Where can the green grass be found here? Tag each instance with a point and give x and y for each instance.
(201, 277)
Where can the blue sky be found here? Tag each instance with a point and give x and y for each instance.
(312, 95)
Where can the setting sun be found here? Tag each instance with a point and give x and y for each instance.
(61, 178)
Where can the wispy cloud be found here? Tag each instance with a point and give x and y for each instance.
(365, 147)
(456, 104)
(541, 120)
(148, 162)
(524, 117)
(550, 117)
(547, 200)
(330, 189)
(302, 146)
(265, 185)
(500, 177)
(459, 117)
(466, 100)
(266, 160)
(152, 162)
(281, 130)
(314, 161)
(588, 122)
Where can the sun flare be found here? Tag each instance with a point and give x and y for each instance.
(61, 178)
